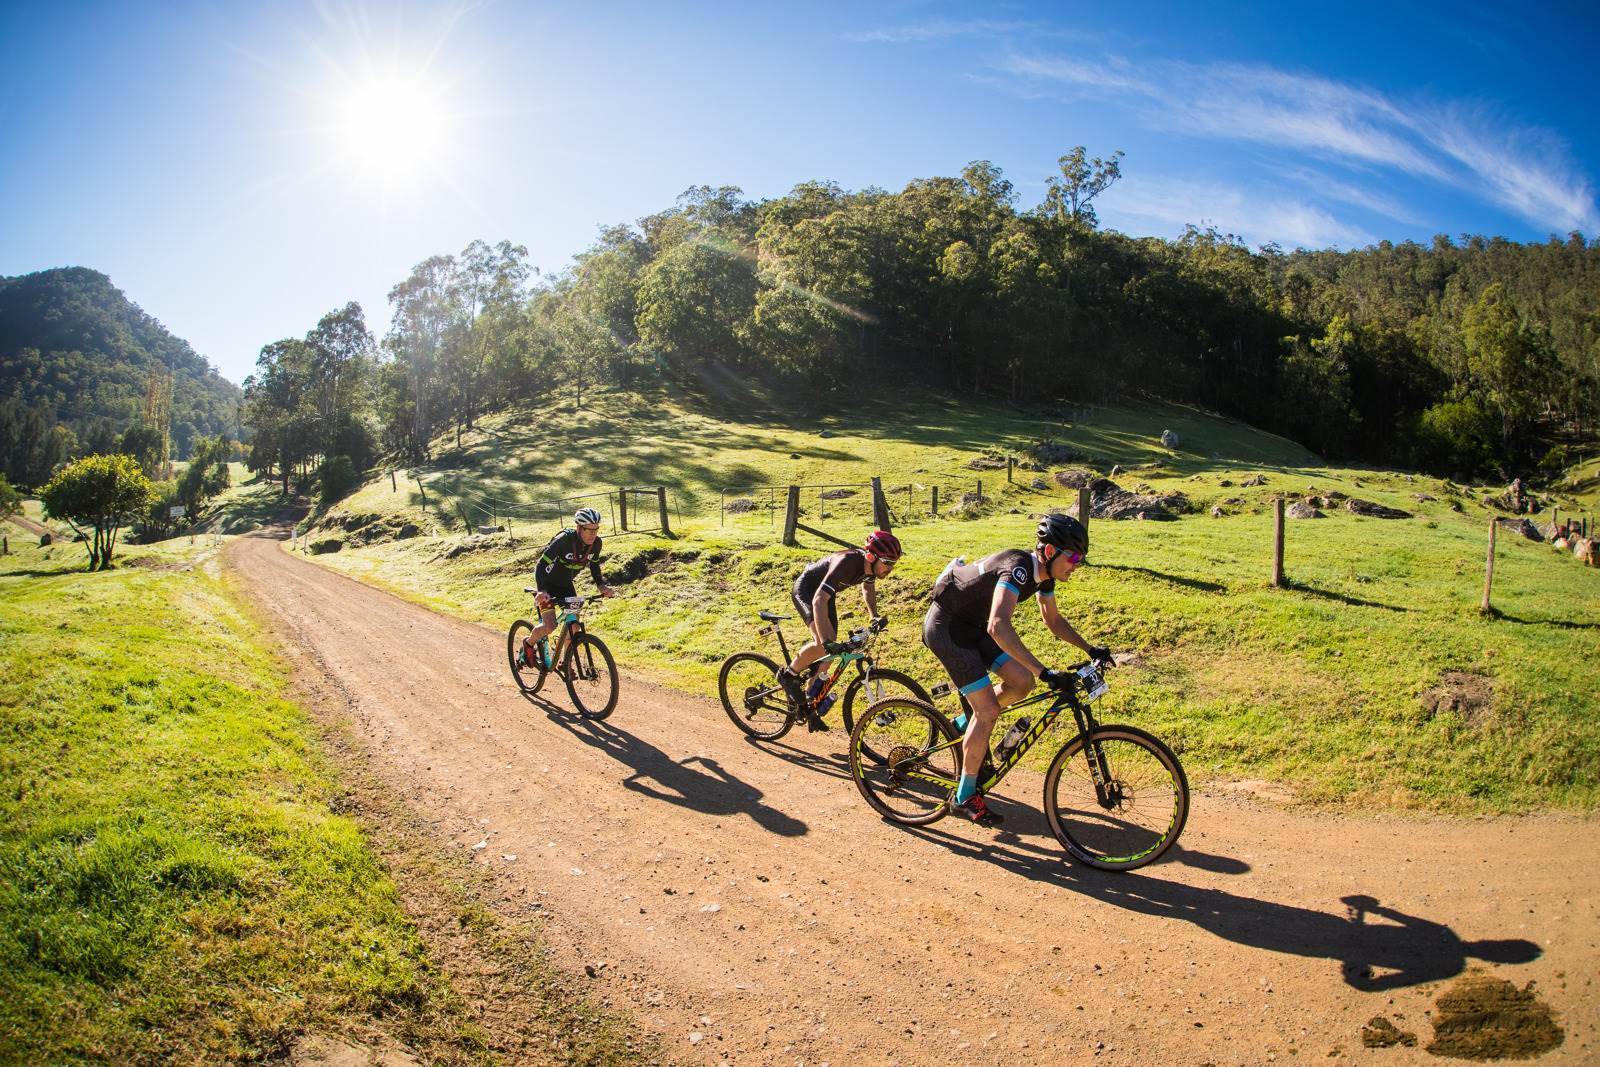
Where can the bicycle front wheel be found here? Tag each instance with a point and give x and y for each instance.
(591, 677)
(919, 765)
(752, 697)
(529, 677)
(1134, 816)
(872, 687)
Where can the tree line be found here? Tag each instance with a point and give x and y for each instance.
(1474, 356)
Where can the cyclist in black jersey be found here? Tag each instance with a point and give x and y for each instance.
(968, 627)
(569, 552)
(814, 594)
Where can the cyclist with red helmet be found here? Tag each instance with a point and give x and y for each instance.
(968, 628)
(814, 596)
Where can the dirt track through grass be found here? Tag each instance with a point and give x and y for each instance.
(743, 903)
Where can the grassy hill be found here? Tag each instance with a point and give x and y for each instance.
(1372, 680)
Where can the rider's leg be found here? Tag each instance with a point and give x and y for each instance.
(1015, 682)
(814, 649)
(547, 623)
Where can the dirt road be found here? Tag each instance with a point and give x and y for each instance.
(745, 905)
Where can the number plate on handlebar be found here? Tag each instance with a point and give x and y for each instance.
(1094, 684)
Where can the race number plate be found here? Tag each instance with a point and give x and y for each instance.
(1094, 683)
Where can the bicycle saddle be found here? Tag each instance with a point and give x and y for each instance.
(771, 616)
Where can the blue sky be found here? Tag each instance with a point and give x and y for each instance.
(240, 169)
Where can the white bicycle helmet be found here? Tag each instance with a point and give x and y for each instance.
(586, 517)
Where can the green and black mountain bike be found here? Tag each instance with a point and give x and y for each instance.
(1115, 796)
(579, 658)
(757, 704)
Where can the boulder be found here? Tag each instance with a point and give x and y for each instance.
(1075, 479)
(1108, 500)
(46, 539)
(1217, 512)
(1584, 551)
(1560, 543)
(1302, 510)
(1169, 439)
(327, 544)
(407, 532)
(1523, 527)
(1373, 511)
(1040, 483)
(837, 494)
(1421, 498)
(1053, 453)
(1254, 481)
(740, 505)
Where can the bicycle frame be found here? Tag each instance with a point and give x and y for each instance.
(567, 624)
(1099, 772)
(840, 660)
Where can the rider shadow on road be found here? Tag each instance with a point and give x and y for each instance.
(1396, 951)
(712, 791)
(832, 764)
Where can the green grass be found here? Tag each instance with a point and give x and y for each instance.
(173, 883)
(1318, 686)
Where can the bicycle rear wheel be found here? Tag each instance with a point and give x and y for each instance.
(591, 676)
(529, 677)
(1141, 812)
(752, 697)
(912, 781)
(875, 686)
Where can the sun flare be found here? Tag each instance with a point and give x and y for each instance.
(391, 130)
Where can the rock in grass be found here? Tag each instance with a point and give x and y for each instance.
(1373, 511)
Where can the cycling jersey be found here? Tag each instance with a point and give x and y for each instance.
(560, 562)
(833, 573)
(966, 592)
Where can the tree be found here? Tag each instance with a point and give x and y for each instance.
(10, 499)
(1069, 197)
(102, 493)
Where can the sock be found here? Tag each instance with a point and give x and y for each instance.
(966, 788)
(960, 723)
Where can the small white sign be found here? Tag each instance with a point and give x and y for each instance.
(176, 511)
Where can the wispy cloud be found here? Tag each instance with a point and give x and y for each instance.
(1523, 170)
(944, 29)
(1256, 216)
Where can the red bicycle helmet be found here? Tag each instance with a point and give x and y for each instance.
(884, 545)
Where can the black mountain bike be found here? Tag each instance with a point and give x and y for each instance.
(1115, 796)
(580, 659)
(758, 705)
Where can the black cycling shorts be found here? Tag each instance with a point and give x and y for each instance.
(967, 652)
(554, 583)
(803, 606)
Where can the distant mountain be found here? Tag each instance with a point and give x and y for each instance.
(71, 343)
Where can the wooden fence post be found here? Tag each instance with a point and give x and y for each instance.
(5, 546)
(1277, 543)
(880, 505)
(394, 486)
(1488, 569)
(424, 491)
(622, 509)
(1010, 463)
(661, 503)
(1085, 504)
(936, 501)
(980, 490)
(791, 515)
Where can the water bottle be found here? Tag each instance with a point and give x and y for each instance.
(827, 702)
(1012, 739)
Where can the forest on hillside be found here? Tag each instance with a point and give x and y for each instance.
(82, 368)
(1473, 356)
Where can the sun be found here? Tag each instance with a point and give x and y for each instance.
(391, 130)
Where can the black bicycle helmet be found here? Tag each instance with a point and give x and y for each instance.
(1065, 533)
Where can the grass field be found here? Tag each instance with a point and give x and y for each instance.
(1323, 686)
(174, 883)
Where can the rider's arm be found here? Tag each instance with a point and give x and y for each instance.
(869, 594)
(1058, 625)
(1004, 634)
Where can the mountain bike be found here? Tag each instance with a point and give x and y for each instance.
(1115, 797)
(756, 702)
(579, 658)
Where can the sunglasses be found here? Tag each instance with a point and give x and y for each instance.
(590, 529)
(1073, 558)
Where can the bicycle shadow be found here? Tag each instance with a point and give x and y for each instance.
(1401, 950)
(712, 791)
(832, 764)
